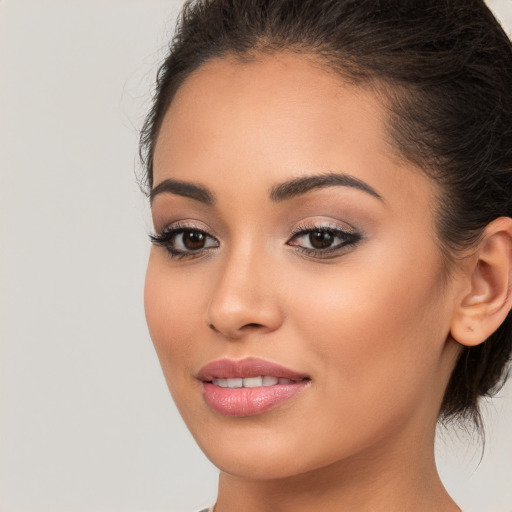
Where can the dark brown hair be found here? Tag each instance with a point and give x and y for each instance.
(445, 67)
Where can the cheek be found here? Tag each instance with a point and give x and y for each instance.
(172, 310)
(376, 331)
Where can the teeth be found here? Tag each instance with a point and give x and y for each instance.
(250, 382)
(253, 382)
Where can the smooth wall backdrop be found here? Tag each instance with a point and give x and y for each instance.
(86, 422)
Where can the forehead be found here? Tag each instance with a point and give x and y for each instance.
(277, 101)
(273, 118)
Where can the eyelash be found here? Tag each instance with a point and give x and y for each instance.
(348, 239)
(167, 239)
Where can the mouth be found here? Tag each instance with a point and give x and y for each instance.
(248, 387)
(252, 382)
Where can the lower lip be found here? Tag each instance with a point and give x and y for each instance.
(249, 401)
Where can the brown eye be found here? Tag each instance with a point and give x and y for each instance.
(319, 242)
(182, 242)
(193, 240)
(321, 239)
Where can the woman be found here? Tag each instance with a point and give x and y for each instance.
(331, 191)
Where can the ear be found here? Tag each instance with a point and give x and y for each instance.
(483, 309)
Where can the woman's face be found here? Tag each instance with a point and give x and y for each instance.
(293, 243)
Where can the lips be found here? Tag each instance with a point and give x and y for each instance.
(248, 387)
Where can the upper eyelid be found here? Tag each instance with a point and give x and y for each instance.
(186, 226)
(327, 226)
(301, 227)
(172, 230)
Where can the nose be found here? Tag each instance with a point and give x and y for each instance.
(245, 298)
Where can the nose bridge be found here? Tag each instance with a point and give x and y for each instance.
(244, 298)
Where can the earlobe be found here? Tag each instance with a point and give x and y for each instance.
(485, 307)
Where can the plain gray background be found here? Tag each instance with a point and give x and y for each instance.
(86, 421)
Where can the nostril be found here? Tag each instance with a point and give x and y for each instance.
(249, 326)
(252, 325)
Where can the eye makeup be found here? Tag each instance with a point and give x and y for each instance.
(185, 241)
(323, 241)
(316, 240)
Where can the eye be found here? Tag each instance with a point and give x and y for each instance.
(323, 241)
(192, 241)
(180, 241)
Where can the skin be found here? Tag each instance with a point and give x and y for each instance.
(369, 324)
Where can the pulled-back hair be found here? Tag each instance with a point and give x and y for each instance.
(445, 69)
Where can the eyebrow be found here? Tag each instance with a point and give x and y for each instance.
(299, 186)
(287, 190)
(184, 189)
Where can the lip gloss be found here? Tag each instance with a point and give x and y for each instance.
(249, 401)
(248, 387)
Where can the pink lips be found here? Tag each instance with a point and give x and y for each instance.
(248, 401)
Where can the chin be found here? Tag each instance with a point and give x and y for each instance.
(270, 452)
(247, 449)
(258, 464)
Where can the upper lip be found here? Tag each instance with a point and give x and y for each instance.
(248, 367)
